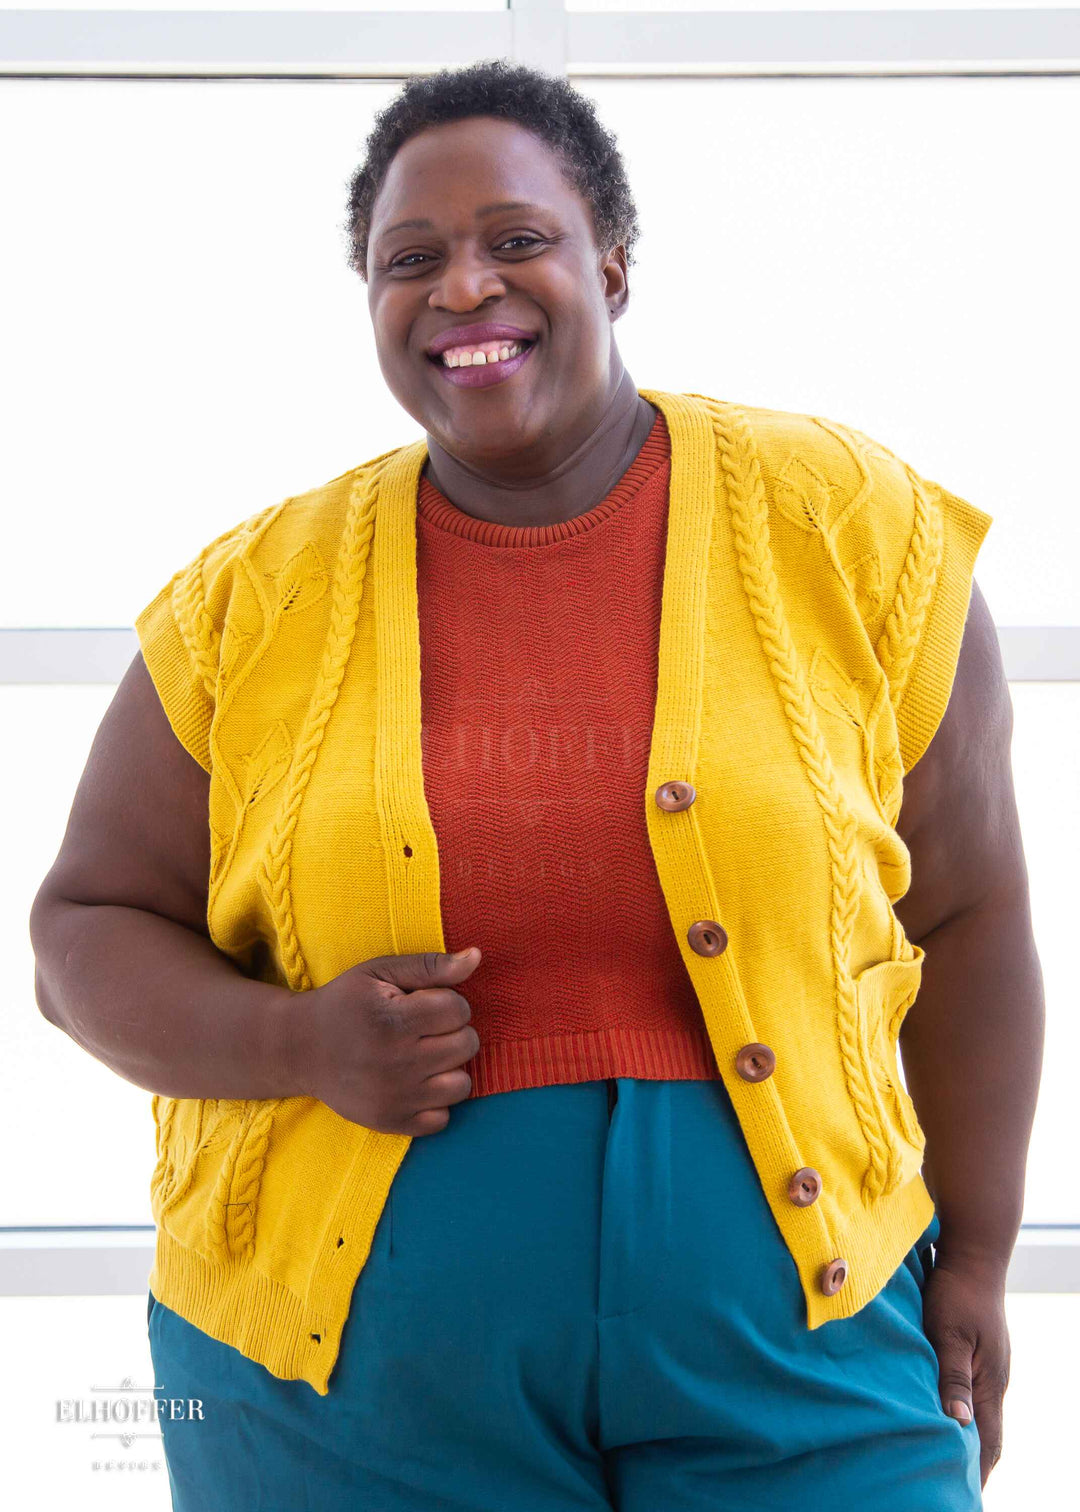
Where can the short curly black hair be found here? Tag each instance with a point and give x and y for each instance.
(545, 104)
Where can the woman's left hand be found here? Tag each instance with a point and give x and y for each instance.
(964, 1319)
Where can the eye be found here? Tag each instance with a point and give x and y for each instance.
(522, 242)
(408, 261)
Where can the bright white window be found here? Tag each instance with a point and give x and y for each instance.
(187, 344)
(896, 253)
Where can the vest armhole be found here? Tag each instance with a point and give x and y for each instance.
(923, 698)
(180, 632)
(183, 694)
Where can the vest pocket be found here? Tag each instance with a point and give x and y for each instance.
(886, 992)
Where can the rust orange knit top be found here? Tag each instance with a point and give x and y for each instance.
(538, 683)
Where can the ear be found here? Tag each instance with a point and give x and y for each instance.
(615, 281)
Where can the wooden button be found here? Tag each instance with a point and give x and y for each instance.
(755, 1062)
(675, 796)
(804, 1187)
(833, 1277)
(707, 938)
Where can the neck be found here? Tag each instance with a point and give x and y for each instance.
(569, 480)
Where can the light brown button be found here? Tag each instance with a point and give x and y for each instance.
(833, 1277)
(707, 938)
(675, 796)
(755, 1062)
(804, 1187)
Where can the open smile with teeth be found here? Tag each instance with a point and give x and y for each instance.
(481, 355)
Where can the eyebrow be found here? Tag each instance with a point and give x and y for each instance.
(428, 225)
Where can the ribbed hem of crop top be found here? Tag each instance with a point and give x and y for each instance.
(436, 508)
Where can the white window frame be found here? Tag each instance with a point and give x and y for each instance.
(381, 44)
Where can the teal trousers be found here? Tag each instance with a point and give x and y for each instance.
(578, 1297)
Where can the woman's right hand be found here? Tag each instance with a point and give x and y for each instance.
(385, 1042)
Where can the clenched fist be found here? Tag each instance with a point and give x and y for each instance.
(385, 1042)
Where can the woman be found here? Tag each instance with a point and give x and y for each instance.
(688, 1262)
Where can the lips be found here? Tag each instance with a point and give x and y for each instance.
(460, 336)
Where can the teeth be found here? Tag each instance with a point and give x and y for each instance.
(481, 356)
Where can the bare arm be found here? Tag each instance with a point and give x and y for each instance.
(972, 1044)
(124, 961)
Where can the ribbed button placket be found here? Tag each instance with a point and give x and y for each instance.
(681, 858)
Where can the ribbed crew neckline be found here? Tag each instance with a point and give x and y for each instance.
(437, 510)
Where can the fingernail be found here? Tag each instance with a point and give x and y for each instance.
(458, 954)
(961, 1411)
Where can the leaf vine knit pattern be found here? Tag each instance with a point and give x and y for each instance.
(163, 1111)
(195, 623)
(749, 510)
(174, 1183)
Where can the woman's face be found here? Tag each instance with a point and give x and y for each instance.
(476, 227)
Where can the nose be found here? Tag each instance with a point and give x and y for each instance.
(466, 283)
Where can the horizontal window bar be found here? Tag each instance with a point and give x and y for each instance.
(77, 1262)
(375, 43)
(958, 40)
(1031, 653)
(363, 44)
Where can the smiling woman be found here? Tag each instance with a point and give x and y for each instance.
(644, 694)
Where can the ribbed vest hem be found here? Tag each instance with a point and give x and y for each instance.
(552, 1060)
(235, 1304)
(266, 1320)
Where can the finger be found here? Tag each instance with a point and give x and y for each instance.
(445, 1052)
(444, 1089)
(991, 1381)
(988, 1422)
(954, 1380)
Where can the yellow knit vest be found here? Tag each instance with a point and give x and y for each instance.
(814, 599)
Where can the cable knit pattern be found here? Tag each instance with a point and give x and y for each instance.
(275, 871)
(906, 621)
(218, 1208)
(196, 626)
(230, 1219)
(746, 494)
